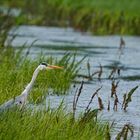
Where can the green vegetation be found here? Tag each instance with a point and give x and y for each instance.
(99, 17)
(49, 125)
(16, 71)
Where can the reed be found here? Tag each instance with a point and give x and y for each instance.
(125, 132)
(127, 98)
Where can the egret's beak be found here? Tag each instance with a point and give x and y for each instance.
(54, 67)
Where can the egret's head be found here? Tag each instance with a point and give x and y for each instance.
(45, 66)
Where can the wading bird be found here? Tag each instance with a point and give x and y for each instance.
(22, 98)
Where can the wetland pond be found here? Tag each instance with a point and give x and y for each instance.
(99, 50)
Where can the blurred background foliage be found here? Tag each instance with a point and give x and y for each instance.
(99, 17)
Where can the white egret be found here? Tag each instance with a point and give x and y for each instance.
(22, 98)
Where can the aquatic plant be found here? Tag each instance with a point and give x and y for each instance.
(76, 98)
(127, 98)
(125, 132)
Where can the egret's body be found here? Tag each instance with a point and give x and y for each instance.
(22, 98)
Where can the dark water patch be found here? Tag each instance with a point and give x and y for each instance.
(84, 49)
(124, 68)
(131, 78)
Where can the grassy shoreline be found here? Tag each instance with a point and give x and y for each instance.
(46, 123)
(98, 17)
(16, 72)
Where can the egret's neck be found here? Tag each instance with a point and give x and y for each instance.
(30, 85)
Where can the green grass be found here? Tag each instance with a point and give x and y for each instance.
(16, 72)
(49, 125)
(99, 17)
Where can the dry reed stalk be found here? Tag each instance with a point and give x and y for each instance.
(125, 131)
(76, 97)
(108, 107)
(100, 72)
(114, 87)
(95, 93)
(88, 68)
(124, 99)
(111, 76)
(101, 106)
(116, 101)
(122, 43)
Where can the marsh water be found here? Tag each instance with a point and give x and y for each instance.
(99, 50)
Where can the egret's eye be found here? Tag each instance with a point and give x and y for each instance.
(20, 102)
(44, 63)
